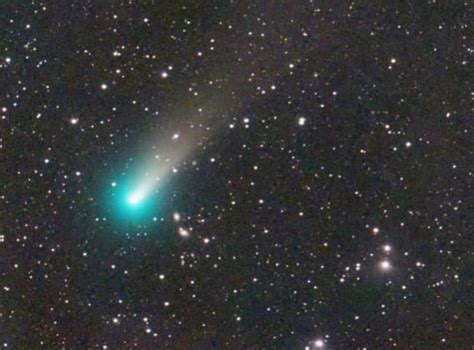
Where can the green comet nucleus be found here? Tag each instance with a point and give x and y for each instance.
(127, 204)
(135, 198)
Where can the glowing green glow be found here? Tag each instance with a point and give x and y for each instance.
(128, 204)
(135, 198)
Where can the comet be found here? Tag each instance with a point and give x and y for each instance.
(211, 101)
(168, 154)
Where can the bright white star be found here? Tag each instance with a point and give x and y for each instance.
(385, 265)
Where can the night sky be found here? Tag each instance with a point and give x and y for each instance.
(315, 162)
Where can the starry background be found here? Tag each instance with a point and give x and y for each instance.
(330, 205)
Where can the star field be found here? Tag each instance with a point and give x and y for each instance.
(236, 175)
